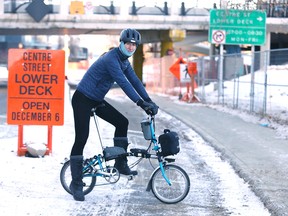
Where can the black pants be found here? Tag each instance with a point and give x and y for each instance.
(82, 109)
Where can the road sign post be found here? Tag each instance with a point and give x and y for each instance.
(237, 27)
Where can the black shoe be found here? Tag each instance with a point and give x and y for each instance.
(123, 168)
(77, 192)
(76, 186)
(121, 163)
(128, 172)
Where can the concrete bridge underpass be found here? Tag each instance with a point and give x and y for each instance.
(154, 22)
(167, 23)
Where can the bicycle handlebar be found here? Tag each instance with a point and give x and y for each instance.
(151, 117)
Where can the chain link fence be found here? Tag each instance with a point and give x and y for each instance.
(256, 83)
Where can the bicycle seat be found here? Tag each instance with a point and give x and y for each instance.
(96, 107)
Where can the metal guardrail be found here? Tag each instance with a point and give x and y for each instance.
(273, 8)
(19, 6)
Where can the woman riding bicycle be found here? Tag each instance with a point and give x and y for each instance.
(111, 67)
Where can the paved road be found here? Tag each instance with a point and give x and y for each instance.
(255, 152)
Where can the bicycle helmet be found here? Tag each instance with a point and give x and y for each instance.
(130, 35)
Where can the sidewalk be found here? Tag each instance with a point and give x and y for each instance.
(255, 152)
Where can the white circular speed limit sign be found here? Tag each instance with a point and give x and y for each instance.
(218, 36)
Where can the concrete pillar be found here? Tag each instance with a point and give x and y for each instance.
(212, 62)
(165, 47)
(138, 59)
(2, 7)
(267, 45)
(265, 51)
(212, 50)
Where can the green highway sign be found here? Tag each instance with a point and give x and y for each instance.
(237, 27)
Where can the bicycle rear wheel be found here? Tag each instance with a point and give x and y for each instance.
(179, 188)
(65, 179)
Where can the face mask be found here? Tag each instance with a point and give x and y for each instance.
(125, 51)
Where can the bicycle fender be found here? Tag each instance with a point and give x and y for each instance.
(149, 186)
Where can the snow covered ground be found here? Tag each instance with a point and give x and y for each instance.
(277, 98)
(31, 186)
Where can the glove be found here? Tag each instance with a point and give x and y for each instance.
(146, 106)
(155, 107)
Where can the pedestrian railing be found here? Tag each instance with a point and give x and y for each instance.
(254, 82)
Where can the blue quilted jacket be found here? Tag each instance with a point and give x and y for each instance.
(112, 67)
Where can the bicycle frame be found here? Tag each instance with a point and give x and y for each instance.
(96, 160)
(156, 148)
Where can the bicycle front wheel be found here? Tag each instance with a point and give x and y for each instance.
(179, 188)
(66, 178)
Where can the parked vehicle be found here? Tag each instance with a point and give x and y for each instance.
(3, 75)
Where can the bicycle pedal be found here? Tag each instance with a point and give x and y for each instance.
(129, 177)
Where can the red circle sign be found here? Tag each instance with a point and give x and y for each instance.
(218, 36)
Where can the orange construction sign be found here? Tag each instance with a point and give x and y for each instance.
(175, 68)
(36, 87)
(192, 68)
